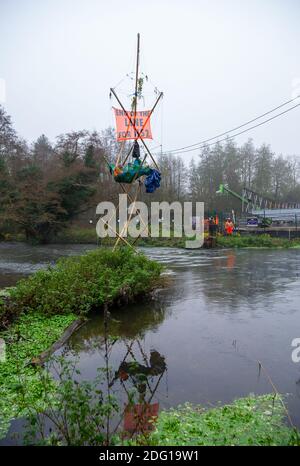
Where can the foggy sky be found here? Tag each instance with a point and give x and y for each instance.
(219, 63)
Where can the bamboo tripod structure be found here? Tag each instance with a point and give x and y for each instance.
(129, 191)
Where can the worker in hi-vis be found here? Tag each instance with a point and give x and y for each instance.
(229, 226)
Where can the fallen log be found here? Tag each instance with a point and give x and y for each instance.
(44, 356)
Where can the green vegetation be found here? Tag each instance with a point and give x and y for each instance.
(35, 312)
(80, 235)
(255, 241)
(254, 420)
(81, 411)
(80, 284)
(20, 385)
(78, 410)
(77, 235)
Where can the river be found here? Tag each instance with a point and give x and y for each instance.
(201, 337)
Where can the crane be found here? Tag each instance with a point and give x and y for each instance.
(250, 205)
(223, 189)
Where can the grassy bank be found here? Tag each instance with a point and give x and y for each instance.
(75, 235)
(35, 312)
(256, 241)
(254, 420)
(79, 235)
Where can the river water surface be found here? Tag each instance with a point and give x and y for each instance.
(199, 340)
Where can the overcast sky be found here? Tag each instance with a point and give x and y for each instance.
(219, 63)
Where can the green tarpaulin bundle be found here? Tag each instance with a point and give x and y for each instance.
(129, 172)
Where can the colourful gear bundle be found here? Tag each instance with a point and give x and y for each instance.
(132, 171)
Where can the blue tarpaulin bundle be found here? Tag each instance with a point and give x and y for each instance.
(152, 182)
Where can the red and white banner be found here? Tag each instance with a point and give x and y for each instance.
(129, 124)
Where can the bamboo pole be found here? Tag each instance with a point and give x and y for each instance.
(127, 223)
(131, 200)
(119, 236)
(139, 136)
(137, 74)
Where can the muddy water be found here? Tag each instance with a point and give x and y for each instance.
(200, 339)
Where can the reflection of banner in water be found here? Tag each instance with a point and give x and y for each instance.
(125, 129)
(140, 417)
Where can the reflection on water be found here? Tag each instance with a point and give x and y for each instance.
(223, 311)
(142, 377)
(135, 372)
(200, 339)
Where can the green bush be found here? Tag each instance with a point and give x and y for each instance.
(79, 284)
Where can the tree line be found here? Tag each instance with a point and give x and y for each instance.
(273, 176)
(44, 186)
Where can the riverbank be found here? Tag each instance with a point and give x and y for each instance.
(75, 235)
(256, 241)
(79, 235)
(35, 313)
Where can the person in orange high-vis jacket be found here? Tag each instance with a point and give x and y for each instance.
(229, 227)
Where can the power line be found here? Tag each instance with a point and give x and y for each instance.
(205, 141)
(241, 132)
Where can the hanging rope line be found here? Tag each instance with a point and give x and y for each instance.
(203, 143)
